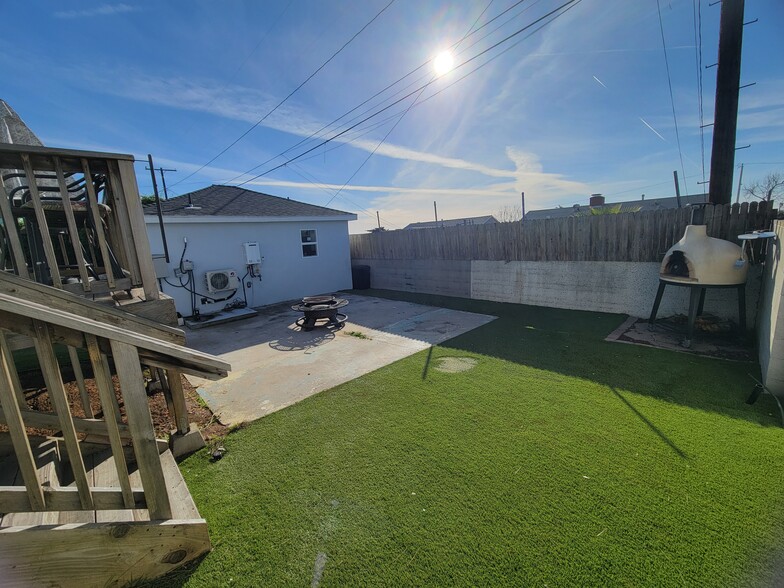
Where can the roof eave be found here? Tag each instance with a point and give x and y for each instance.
(211, 218)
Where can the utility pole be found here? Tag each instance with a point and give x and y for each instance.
(677, 188)
(522, 205)
(158, 205)
(163, 179)
(725, 119)
(740, 182)
(378, 219)
(435, 210)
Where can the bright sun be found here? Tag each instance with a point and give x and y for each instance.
(443, 62)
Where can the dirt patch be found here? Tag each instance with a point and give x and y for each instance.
(454, 365)
(38, 400)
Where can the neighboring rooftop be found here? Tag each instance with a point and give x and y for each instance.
(641, 205)
(454, 222)
(233, 201)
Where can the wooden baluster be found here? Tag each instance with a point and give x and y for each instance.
(16, 385)
(73, 231)
(129, 372)
(9, 394)
(79, 375)
(103, 381)
(11, 229)
(43, 225)
(138, 229)
(54, 384)
(92, 199)
(180, 415)
(120, 208)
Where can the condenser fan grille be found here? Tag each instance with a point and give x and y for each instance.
(219, 281)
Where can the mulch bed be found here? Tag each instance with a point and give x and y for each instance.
(210, 426)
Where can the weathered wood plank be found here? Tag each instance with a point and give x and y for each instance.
(14, 499)
(73, 231)
(86, 325)
(43, 224)
(79, 376)
(103, 381)
(11, 230)
(138, 229)
(92, 199)
(137, 411)
(50, 370)
(32, 494)
(54, 298)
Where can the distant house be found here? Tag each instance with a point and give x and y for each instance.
(216, 234)
(453, 222)
(597, 201)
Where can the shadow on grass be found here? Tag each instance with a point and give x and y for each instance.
(650, 425)
(571, 343)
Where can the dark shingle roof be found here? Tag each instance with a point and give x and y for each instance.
(232, 201)
(454, 222)
(628, 206)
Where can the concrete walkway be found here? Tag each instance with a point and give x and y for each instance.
(275, 364)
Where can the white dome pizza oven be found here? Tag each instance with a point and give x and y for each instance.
(700, 262)
(699, 259)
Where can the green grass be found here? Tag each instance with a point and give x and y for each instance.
(559, 460)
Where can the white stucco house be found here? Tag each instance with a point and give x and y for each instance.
(228, 244)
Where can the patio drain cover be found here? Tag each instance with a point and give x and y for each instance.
(454, 365)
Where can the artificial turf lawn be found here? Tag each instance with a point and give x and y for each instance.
(559, 460)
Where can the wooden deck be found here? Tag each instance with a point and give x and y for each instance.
(115, 546)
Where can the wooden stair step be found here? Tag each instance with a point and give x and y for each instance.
(47, 460)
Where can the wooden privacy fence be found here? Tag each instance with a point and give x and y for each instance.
(640, 236)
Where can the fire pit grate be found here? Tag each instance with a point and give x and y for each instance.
(318, 309)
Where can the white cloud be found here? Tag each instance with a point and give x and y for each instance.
(102, 10)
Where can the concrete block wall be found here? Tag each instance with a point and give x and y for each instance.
(771, 316)
(601, 286)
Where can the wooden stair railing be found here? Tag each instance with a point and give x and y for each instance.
(129, 351)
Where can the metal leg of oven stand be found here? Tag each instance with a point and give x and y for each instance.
(702, 302)
(656, 303)
(694, 302)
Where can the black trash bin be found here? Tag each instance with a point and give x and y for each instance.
(360, 277)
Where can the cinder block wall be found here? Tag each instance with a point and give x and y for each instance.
(602, 286)
(771, 316)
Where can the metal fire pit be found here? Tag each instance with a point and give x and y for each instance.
(320, 308)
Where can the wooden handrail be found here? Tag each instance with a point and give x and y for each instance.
(130, 352)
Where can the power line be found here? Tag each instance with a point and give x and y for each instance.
(294, 91)
(467, 61)
(377, 94)
(669, 83)
(402, 116)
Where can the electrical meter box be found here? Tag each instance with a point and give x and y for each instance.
(252, 252)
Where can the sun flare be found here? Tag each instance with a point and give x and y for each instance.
(443, 62)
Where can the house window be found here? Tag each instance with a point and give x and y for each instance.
(309, 243)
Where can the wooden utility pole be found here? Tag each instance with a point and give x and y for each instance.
(677, 187)
(435, 210)
(726, 111)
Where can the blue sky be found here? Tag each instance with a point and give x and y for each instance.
(580, 106)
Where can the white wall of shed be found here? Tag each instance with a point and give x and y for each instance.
(285, 273)
(771, 316)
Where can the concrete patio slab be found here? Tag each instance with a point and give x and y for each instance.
(275, 364)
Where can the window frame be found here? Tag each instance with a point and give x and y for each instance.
(303, 243)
